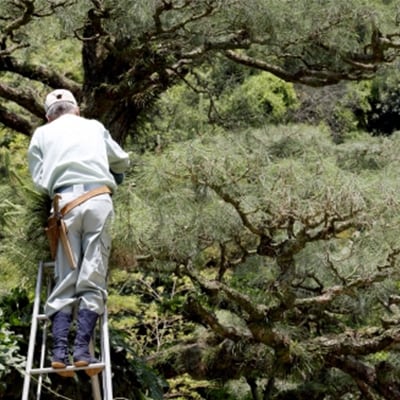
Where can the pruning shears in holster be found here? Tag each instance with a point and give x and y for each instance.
(56, 230)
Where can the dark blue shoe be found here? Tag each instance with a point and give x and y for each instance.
(60, 328)
(82, 357)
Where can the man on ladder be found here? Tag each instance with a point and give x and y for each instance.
(78, 164)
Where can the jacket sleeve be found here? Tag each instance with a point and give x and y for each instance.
(35, 162)
(118, 159)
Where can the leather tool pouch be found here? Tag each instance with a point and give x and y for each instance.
(53, 233)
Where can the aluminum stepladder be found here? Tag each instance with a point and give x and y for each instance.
(45, 271)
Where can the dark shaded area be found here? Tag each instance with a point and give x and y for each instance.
(131, 376)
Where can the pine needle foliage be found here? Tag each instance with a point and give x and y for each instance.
(196, 235)
(203, 209)
(24, 216)
(274, 169)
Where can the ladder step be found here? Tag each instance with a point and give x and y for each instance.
(48, 370)
(41, 317)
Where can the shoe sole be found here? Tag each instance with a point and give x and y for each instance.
(90, 371)
(60, 365)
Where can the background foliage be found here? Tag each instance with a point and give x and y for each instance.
(256, 240)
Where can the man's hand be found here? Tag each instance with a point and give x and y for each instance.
(119, 178)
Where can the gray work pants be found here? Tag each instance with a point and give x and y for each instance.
(89, 232)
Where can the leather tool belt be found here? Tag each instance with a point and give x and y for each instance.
(56, 229)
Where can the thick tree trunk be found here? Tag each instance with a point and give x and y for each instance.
(117, 114)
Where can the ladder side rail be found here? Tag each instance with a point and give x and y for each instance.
(105, 343)
(44, 339)
(33, 332)
(96, 387)
(42, 360)
(94, 379)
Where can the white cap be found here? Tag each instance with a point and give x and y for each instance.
(57, 96)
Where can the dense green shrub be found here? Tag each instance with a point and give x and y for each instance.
(14, 322)
(262, 98)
